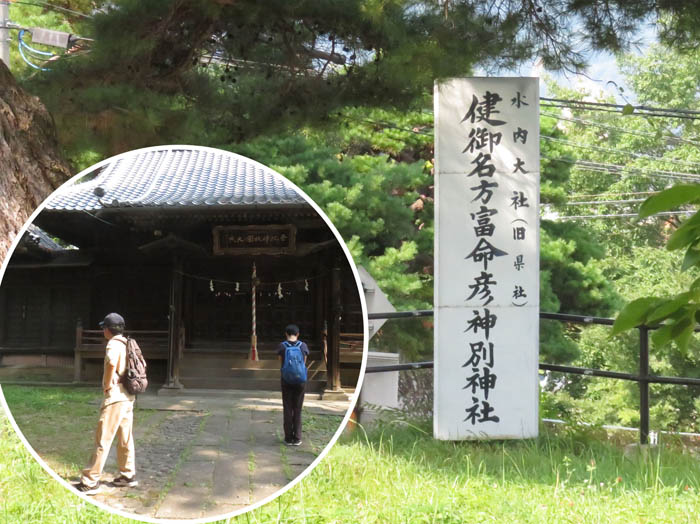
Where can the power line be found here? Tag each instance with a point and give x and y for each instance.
(619, 106)
(614, 194)
(688, 114)
(42, 55)
(605, 202)
(622, 170)
(40, 3)
(609, 168)
(620, 215)
(592, 123)
(603, 110)
(618, 151)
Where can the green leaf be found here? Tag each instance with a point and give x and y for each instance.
(628, 109)
(684, 235)
(668, 307)
(692, 258)
(670, 198)
(633, 314)
(684, 337)
(662, 336)
(678, 327)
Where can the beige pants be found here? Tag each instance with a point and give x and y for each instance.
(115, 419)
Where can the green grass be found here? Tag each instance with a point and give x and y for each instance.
(59, 422)
(29, 495)
(318, 429)
(398, 473)
(64, 442)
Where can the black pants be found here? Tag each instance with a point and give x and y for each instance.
(292, 401)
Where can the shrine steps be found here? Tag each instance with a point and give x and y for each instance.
(247, 384)
(218, 371)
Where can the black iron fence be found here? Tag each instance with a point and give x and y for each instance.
(643, 378)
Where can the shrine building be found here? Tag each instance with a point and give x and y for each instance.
(208, 256)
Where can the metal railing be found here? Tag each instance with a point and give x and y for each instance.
(643, 378)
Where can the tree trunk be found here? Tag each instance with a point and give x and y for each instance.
(31, 165)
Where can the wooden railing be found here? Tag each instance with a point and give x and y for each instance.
(90, 344)
(351, 343)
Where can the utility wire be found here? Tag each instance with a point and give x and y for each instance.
(40, 3)
(593, 123)
(610, 168)
(30, 48)
(605, 202)
(614, 194)
(622, 170)
(618, 106)
(603, 110)
(687, 114)
(22, 46)
(620, 215)
(618, 151)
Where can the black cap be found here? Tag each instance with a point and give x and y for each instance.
(112, 320)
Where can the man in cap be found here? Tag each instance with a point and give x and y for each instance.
(116, 414)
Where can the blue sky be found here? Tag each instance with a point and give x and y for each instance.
(603, 68)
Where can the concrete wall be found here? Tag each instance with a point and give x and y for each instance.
(379, 389)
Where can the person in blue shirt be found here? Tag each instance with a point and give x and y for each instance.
(292, 394)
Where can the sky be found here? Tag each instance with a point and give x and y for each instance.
(602, 75)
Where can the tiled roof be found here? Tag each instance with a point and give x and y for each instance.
(39, 238)
(170, 178)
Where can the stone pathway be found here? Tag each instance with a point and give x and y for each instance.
(208, 456)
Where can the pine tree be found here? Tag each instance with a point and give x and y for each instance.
(217, 71)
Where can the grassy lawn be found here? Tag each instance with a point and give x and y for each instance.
(29, 495)
(398, 473)
(60, 423)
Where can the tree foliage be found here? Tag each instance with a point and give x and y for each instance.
(222, 71)
(652, 153)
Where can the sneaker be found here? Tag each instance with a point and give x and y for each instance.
(124, 482)
(296, 443)
(88, 490)
(288, 442)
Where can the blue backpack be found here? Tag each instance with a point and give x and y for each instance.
(293, 368)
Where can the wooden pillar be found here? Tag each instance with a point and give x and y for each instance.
(46, 321)
(334, 330)
(3, 315)
(174, 324)
(77, 359)
(319, 316)
(187, 312)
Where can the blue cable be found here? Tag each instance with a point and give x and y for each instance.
(28, 47)
(21, 47)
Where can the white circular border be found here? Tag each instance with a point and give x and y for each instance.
(353, 400)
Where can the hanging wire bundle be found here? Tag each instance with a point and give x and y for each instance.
(35, 54)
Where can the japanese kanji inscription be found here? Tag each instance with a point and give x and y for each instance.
(487, 258)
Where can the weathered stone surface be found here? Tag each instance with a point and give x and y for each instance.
(32, 165)
(217, 458)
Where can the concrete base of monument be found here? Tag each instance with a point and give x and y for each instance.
(368, 416)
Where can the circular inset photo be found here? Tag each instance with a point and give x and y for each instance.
(182, 333)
